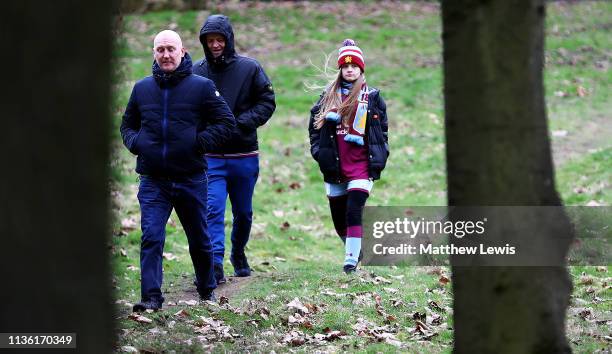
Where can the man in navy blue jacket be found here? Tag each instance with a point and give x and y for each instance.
(172, 118)
(233, 168)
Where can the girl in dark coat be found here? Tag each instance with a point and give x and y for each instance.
(348, 138)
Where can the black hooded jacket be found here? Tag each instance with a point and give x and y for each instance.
(242, 83)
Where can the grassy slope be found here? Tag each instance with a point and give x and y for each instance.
(403, 49)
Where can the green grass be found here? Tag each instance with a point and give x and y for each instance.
(587, 178)
(403, 57)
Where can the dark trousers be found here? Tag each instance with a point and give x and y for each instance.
(187, 196)
(236, 178)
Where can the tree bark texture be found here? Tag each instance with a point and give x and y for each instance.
(498, 153)
(143, 6)
(54, 213)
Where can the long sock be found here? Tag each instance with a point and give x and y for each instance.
(352, 250)
(337, 206)
(354, 231)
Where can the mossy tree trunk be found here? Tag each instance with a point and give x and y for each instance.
(498, 153)
(55, 144)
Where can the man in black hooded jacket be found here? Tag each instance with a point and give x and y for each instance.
(234, 167)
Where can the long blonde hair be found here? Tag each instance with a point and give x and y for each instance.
(332, 100)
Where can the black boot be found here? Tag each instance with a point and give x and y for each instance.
(349, 268)
(219, 275)
(147, 305)
(241, 266)
(208, 296)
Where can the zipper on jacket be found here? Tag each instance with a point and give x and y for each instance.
(164, 128)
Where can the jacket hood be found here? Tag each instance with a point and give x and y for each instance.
(218, 24)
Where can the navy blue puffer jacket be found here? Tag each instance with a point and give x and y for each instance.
(242, 83)
(172, 119)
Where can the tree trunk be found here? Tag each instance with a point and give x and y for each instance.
(498, 153)
(54, 214)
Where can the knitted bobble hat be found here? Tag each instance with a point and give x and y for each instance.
(350, 53)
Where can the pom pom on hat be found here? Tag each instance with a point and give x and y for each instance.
(350, 53)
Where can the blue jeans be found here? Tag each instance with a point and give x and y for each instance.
(235, 177)
(157, 197)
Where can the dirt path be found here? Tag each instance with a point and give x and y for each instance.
(186, 291)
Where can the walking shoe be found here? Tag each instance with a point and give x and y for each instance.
(241, 266)
(219, 275)
(210, 296)
(147, 305)
(349, 268)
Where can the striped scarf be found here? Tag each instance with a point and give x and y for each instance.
(357, 124)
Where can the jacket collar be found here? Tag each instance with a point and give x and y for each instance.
(165, 79)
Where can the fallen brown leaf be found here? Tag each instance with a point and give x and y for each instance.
(169, 256)
(330, 335)
(434, 306)
(423, 331)
(294, 338)
(331, 293)
(253, 321)
(433, 319)
(379, 280)
(397, 302)
(188, 302)
(297, 305)
(285, 226)
(313, 308)
(138, 318)
(419, 316)
(212, 329)
(128, 224)
(390, 318)
(585, 314)
(378, 299)
(586, 279)
(264, 313)
(182, 313)
(436, 271)
(296, 342)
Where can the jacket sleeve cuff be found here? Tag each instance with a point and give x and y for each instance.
(245, 122)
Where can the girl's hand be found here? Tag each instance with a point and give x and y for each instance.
(332, 117)
(355, 139)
